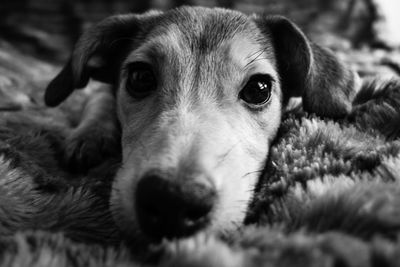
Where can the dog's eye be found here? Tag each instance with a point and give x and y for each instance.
(257, 91)
(141, 81)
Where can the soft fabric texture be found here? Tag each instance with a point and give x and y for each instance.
(329, 195)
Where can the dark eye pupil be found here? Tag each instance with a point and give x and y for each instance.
(143, 76)
(257, 91)
(141, 81)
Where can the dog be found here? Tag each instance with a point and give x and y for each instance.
(195, 99)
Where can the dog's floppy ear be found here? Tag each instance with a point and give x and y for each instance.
(326, 86)
(97, 55)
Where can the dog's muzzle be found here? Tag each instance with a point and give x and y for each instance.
(171, 208)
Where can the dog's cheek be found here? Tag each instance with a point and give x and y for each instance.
(251, 134)
(133, 117)
(235, 190)
(236, 178)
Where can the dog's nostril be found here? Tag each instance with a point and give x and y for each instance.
(198, 212)
(151, 211)
(170, 209)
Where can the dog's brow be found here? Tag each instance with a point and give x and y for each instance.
(259, 52)
(246, 51)
(257, 57)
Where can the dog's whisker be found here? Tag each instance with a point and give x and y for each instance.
(258, 52)
(254, 59)
(252, 172)
(226, 154)
(260, 58)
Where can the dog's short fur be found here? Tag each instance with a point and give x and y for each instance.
(193, 132)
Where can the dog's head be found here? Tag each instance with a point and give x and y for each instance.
(199, 96)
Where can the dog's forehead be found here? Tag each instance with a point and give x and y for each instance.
(195, 33)
(199, 30)
(204, 29)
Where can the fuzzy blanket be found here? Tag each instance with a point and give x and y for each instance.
(329, 195)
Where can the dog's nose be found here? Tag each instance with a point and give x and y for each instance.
(169, 209)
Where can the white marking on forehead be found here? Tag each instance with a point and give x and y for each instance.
(250, 55)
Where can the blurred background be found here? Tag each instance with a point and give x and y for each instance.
(49, 28)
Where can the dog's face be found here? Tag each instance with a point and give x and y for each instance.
(199, 96)
(198, 110)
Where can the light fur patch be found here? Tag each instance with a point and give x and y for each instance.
(251, 56)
